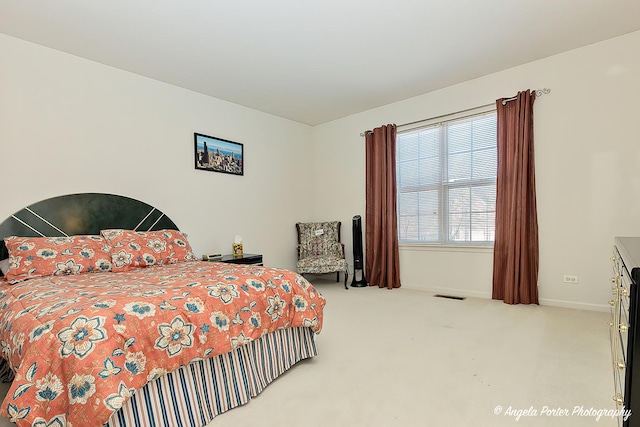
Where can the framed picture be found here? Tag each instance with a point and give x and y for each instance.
(218, 155)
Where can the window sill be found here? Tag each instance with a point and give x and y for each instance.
(445, 248)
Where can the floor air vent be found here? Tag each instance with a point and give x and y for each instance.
(449, 297)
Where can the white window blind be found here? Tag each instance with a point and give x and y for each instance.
(446, 178)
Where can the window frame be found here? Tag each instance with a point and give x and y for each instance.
(444, 186)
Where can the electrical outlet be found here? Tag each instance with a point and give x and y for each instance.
(569, 279)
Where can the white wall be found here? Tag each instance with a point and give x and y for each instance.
(587, 142)
(70, 125)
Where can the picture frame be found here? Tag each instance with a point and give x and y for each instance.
(218, 155)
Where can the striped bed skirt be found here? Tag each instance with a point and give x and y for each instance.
(194, 394)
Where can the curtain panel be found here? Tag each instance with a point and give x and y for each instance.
(382, 260)
(515, 261)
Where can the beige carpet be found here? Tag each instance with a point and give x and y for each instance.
(406, 358)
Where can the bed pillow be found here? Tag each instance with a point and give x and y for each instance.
(46, 256)
(139, 249)
(4, 266)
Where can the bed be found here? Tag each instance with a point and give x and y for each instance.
(130, 329)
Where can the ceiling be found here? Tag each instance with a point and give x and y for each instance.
(315, 61)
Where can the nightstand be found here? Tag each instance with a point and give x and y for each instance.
(249, 259)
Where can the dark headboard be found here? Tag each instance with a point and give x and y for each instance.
(83, 213)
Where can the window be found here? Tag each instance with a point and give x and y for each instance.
(446, 178)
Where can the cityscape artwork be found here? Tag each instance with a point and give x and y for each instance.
(218, 155)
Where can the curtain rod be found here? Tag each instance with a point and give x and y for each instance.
(539, 92)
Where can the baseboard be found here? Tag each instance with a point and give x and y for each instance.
(575, 305)
(487, 295)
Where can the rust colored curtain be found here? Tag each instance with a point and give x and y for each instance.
(382, 260)
(515, 258)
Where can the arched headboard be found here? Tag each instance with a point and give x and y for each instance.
(82, 213)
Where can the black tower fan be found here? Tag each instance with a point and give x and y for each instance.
(358, 262)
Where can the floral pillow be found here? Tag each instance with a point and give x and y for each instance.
(136, 249)
(46, 256)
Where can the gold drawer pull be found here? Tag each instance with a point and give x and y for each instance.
(613, 280)
(618, 399)
(620, 365)
(611, 324)
(612, 303)
(625, 292)
(624, 328)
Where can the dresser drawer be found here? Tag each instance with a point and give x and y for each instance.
(618, 397)
(625, 283)
(619, 376)
(617, 363)
(623, 316)
(620, 361)
(616, 262)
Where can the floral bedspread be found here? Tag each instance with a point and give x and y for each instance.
(80, 345)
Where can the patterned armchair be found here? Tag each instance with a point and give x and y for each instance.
(320, 250)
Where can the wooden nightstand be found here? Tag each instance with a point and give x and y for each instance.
(250, 259)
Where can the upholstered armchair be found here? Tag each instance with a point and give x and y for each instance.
(320, 250)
